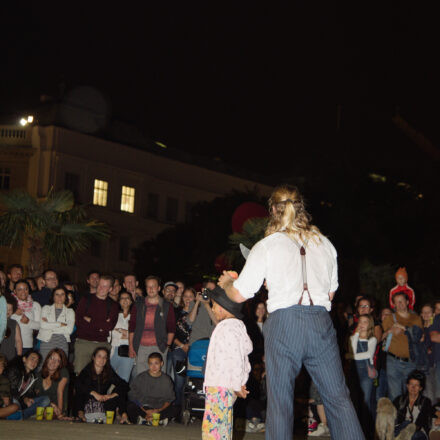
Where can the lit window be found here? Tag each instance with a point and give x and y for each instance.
(127, 199)
(100, 190)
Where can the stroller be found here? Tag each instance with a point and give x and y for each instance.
(193, 393)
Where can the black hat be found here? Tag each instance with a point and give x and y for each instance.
(219, 296)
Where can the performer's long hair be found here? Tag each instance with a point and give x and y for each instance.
(288, 214)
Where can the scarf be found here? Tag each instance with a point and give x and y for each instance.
(25, 306)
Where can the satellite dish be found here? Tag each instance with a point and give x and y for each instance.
(84, 109)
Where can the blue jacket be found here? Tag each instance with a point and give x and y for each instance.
(417, 350)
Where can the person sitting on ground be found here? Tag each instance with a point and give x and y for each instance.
(414, 408)
(6, 406)
(53, 381)
(57, 322)
(12, 344)
(21, 374)
(97, 382)
(28, 314)
(151, 391)
(402, 286)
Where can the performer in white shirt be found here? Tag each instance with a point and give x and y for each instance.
(300, 268)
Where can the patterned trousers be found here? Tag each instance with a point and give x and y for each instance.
(217, 420)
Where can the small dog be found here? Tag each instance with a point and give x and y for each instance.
(385, 419)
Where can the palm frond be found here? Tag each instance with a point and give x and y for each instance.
(58, 202)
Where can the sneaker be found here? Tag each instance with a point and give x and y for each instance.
(163, 422)
(250, 426)
(321, 431)
(141, 421)
(313, 425)
(261, 427)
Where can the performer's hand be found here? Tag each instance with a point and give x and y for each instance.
(243, 392)
(225, 279)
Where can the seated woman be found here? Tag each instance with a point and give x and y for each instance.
(120, 360)
(414, 408)
(12, 344)
(53, 381)
(413, 418)
(22, 377)
(56, 325)
(27, 314)
(7, 408)
(97, 382)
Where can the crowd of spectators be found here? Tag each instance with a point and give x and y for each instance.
(121, 345)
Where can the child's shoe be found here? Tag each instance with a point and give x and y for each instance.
(321, 431)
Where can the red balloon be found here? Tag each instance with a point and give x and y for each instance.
(222, 263)
(246, 211)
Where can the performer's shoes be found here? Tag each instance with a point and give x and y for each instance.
(321, 431)
(313, 424)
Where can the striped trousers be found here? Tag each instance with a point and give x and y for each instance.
(305, 335)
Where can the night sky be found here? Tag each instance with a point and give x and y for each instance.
(254, 86)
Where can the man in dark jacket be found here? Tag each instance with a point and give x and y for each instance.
(414, 408)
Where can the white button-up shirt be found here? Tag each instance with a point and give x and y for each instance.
(277, 259)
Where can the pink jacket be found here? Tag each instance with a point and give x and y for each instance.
(227, 364)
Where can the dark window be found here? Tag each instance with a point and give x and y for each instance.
(95, 248)
(172, 209)
(188, 211)
(124, 248)
(153, 205)
(71, 182)
(5, 178)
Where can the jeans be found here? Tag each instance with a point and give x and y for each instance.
(365, 382)
(122, 365)
(382, 389)
(38, 401)
(300, 335)
(179, 381)
(397, 373)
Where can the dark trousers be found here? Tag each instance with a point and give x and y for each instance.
(134, 411)
(305, 335)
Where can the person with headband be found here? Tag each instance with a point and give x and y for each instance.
(300, 268)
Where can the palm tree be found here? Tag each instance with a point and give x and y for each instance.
(55, 229)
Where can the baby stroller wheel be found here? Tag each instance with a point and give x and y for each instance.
(186, 415)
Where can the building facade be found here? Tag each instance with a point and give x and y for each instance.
(136, 190)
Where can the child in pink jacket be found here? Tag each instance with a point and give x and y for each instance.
(227, 367)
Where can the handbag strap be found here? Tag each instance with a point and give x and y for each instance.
(302, 251)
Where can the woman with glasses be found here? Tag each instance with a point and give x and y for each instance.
(119, 358)
(56, 325)
(53, 382)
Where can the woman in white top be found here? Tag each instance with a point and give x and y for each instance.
(57, 322)
(119, 359)
(300, 268)
(27, 315)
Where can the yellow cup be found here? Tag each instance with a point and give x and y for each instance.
(39, 412)
(109, 416)
(48, 414)
(156, 418)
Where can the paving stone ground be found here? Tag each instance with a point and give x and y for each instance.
(33, 430)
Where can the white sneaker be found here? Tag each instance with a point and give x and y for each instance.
(321, 431)
(250, 427)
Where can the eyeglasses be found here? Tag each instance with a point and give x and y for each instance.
(364, 306)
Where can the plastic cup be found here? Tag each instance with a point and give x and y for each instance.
(48, 413)
(156, 418)
(39, 413)
(109, 416)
